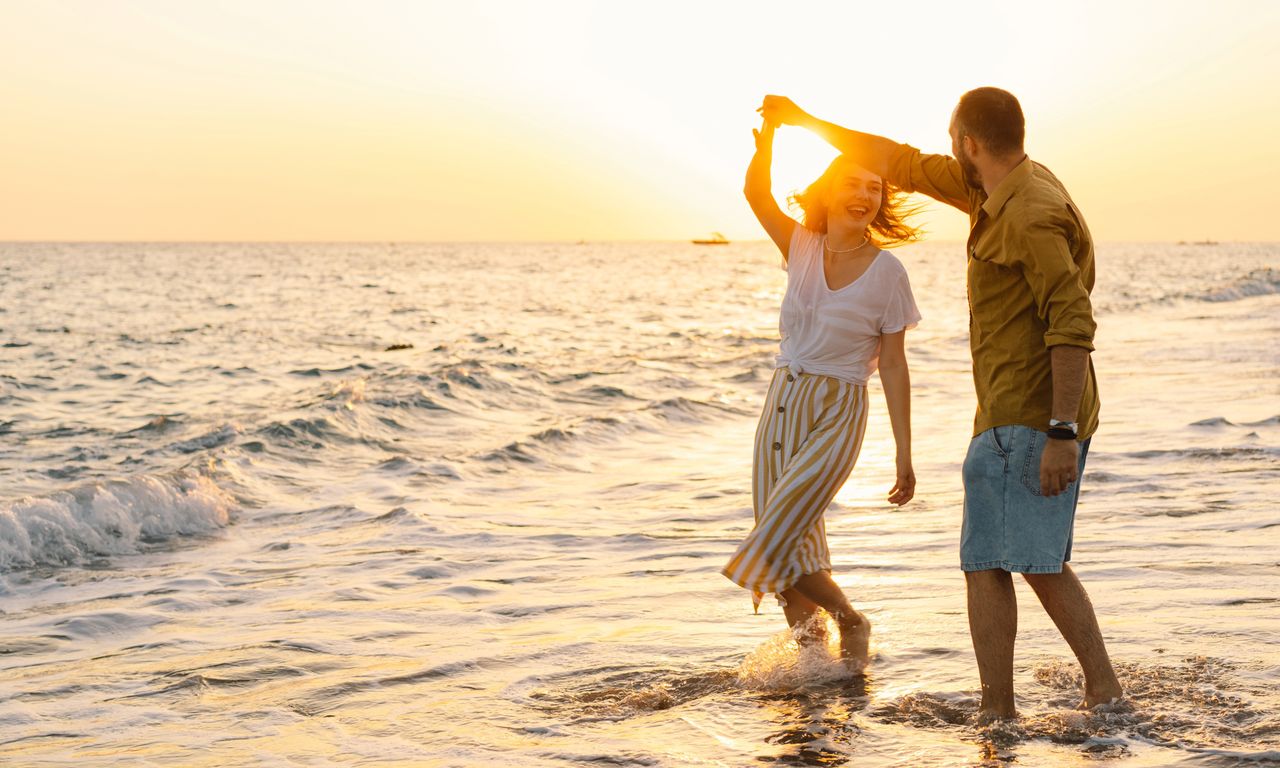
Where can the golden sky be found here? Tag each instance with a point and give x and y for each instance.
(555, 120)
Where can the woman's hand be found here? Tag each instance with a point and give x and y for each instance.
(764, 136)
(780, 110)
(905, 488)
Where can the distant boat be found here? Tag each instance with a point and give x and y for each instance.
(716, 239)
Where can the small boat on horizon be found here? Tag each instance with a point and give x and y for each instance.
(715, 239)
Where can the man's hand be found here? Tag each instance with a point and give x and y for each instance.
(1059, 466)
(905, 488)
(780, 110)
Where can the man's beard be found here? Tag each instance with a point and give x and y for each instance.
(969, 170)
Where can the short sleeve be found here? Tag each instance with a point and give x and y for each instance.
(900, 313)
(802, 241)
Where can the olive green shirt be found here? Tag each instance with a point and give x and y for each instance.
(1030, 272)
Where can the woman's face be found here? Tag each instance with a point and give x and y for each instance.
(854, 198)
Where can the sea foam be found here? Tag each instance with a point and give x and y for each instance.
(114, 517)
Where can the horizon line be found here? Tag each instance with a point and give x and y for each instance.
(580, 241)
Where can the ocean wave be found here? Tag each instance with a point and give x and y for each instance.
(1263, 281)
(1259, 282)
(684, 409)
(116, 517)
(553, 444)
(1208, 454)
(220, 436)
(1222, 421)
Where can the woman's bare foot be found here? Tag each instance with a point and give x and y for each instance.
(855, 641)
(811, 633)
(1103, 703)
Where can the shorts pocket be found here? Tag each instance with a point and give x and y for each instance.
(1031, 464)
(1001, 441)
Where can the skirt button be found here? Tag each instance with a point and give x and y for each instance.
(790, 377)
(777, 446)
(781, 409)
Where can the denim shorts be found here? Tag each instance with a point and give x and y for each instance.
(1008, 524)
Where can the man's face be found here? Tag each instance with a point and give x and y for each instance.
(971, 175)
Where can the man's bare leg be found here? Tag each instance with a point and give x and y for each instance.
(993, 625)
(1065, 600)
(855, 628)
(802, 614)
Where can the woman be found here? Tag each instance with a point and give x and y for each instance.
(846, 311)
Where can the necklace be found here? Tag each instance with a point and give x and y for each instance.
(847, 250)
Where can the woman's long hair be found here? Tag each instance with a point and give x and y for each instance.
(888, 228)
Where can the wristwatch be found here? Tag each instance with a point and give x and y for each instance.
(1062, 430)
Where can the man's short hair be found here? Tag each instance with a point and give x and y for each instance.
(994, 118)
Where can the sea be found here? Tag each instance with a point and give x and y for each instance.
(460, 504)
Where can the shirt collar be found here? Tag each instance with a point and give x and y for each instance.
(1020, 174)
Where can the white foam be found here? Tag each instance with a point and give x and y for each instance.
(116, 517)
(1259, 282)
(780, 664)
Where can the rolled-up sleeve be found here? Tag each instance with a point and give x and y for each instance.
(938, 176)
(1062, 301)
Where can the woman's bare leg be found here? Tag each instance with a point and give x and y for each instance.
(806, 623)
(855, 628)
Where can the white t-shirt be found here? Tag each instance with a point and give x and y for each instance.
(837, 333)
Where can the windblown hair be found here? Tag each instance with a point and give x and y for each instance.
(994, 118)
(888, 228)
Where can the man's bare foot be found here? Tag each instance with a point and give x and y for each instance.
(990, 716)
(855, 642)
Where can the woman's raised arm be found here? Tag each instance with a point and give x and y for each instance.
(759, 191)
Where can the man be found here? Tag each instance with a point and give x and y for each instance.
(1030, 271)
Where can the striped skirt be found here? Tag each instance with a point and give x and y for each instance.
(807, 442)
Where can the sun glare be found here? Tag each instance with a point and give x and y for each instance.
(156, 120)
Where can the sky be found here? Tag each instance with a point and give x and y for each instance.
(565, 120)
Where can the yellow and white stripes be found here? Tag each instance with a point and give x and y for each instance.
(807, 442)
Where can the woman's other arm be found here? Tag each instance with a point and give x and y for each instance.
(896, 379)
(759, 191)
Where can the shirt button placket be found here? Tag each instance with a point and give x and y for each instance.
(777, 446)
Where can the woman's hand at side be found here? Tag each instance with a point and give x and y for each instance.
(905, 488)
(895, 377)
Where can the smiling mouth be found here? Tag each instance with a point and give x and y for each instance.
(858, 210)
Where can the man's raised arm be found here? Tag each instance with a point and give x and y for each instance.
(938, 176)
(867, 150)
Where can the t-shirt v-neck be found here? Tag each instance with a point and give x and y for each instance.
(837, 332)
(822, 263)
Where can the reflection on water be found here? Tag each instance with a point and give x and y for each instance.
(243, 524)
